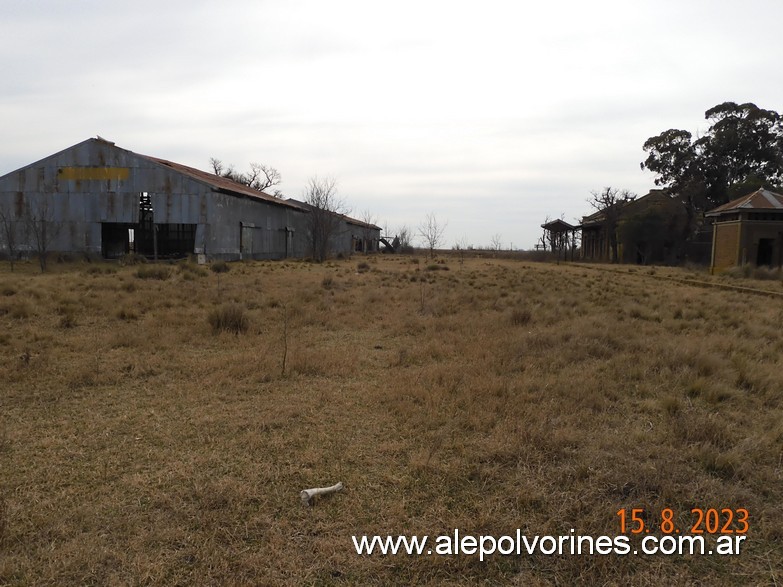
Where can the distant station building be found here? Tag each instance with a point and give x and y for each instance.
(560, 238)
(646, 231)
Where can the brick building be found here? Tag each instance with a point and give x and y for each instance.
(748, 230)
(647, 230)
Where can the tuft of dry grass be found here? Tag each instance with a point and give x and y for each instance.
(521, 316)
(131, 259)
(229, 318)
(220, 267)
(191, 271)
(159, 272)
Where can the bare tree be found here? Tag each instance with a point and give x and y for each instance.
(461, 246)
(367, 232)
(496, 243)
(610, 202)
(43, 228)
(260, 177)
(431, 232)
(8, 234)
(405, 239)
(217, 166)
(326, 209)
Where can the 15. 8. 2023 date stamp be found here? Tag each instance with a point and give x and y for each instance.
(701, 521)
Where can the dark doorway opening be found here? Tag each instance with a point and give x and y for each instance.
(115, 239)
(764, 255)
(147, 238)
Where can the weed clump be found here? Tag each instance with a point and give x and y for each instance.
(68, 320)
(153, 272)
(132, 259)
(739, 272)
(521, 316)
(229, 318)
(19, 310)
(220, 267)
(190, 271)
(766, 273)
(127, 314)
(99, 270)
(363, 267)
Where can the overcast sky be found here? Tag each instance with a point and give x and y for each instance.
(493, 115)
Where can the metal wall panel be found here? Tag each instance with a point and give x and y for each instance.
(83, 186)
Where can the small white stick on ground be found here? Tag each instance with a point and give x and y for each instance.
(307, 495)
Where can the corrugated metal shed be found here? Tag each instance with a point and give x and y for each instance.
(91, 192)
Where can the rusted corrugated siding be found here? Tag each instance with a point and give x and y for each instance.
(96, 182)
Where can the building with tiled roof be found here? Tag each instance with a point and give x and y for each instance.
(748, 230)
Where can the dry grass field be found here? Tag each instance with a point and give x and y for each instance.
(145, 442)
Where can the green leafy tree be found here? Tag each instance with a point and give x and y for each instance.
(743, 145)
(742, 150)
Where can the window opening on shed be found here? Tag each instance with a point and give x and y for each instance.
(145, 208)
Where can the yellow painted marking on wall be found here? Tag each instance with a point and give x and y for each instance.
(93, 173)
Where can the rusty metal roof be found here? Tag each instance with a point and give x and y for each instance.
(222, 183)
(759, 200)
(347, 219)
